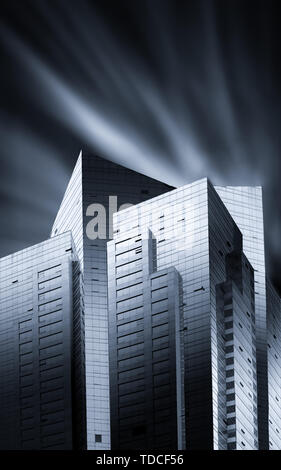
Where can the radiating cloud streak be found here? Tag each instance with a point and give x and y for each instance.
(71, 109)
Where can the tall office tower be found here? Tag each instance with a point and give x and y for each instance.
(195, 234)
(274, 362)
(237, 392)
(145, 348)
(98, 188)
(41, 348)
(246, 208)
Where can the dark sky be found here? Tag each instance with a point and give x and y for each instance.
(175, 89)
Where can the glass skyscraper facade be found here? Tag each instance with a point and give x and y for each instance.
(145, 348)
(96, 190)
(42, 385)
(146, 321)
(245, 206)
(237, 384)
(196, 235)
(274, 364)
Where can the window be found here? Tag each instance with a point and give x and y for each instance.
(230, 373)
(229, 385)
(98, 438)
(230, 421)
(230, 397)
(229, 361)
(230, 409)
(197, 290)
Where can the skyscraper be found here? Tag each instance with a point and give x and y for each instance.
(237, 383)
(96, 190)
(273, 304)
(245, 206)
(145, 348)
(197, 236)
(192, 325)
(42, 385)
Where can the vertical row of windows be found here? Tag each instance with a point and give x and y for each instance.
(50, 376)
(51, 359)
(26, 383)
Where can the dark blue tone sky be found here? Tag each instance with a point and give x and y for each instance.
(175, 89)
